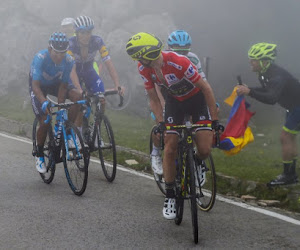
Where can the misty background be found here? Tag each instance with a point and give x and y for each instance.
(222, 30)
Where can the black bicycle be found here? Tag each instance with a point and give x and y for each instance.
(195, 181)
(98, 133)
(56, 149)
(205, 174)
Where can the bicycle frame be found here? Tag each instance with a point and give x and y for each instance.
(61, 119)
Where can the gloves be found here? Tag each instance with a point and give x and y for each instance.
(215, 125)
(160, 128)
(45, 106)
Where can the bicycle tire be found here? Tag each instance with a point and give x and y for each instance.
(48, 152)
(180, 188)
(206, 192)
(107, 149)
(192, 192)
(159, 179)
(76, 169)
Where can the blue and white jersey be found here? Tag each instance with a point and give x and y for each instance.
(95, 44)
(43, 69)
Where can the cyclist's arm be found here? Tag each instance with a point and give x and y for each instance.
(209, 97)
(271, 94)
(113, 73)
(155, 104)
(36, 88)
(62, 92)
(75, 79)
(160, 96)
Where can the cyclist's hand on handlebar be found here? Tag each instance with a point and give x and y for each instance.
(215, 125)
(160, 128)
(45, 107)
(121, 90)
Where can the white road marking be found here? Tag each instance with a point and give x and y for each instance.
(218, 197)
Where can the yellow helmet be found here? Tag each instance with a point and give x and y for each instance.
(144, 46)
(263, 51)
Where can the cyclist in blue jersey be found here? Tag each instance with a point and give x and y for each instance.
(50, 74)
(278, 86)
(83, 48)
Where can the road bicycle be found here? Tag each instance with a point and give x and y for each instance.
(189, 172)
(98, 133)
(56, 148)
(205, 174)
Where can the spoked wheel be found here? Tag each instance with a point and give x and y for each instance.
(48, 152)
(179, 209)
(192, 189)
(106, 148)
(112, 101)
(76, 163)
(159, 179)
(206, 192)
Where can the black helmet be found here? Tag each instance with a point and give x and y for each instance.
(59, 42)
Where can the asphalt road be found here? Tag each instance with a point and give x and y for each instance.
(125, 214)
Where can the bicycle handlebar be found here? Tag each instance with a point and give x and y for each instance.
(61, 105)
(106, 93)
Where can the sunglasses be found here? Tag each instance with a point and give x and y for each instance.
(152, 55)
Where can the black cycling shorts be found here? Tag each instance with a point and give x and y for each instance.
(195, 106)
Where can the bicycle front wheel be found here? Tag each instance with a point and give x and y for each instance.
(48, 152)
(192, 191)
(206, 192)
(76, 162)
(159, 179)
(106, 148)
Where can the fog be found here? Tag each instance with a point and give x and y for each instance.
(222, 30)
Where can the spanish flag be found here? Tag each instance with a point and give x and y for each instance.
(237, 134)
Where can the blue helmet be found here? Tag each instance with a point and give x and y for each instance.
(179, 38)
(59, 42)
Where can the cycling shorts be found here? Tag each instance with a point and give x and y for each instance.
(292, 121)
(195, 106)
(35, 103)
(91, 79)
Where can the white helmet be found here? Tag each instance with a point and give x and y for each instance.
(67, 21)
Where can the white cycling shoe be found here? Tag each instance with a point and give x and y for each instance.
(40, 164)
(169, 210)
(156, 164)
(200, 173)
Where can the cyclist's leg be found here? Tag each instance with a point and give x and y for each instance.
(94, 84)
(173, 115)
(200, 115)
(41, 132)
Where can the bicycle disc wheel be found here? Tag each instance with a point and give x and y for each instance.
(48, 152)
(76, 164)
(206, 193)
(192, 189)
(159, 179)
(107, 148)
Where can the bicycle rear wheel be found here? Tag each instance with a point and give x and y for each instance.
(159, 179)
(106, 148)
(206, 192)
(48, 152)
(76, 164)
(192, 189)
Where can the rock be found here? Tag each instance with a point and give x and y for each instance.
(270, 203)
(262, 204)
(131, 162)
(251, 185)
(248, 197)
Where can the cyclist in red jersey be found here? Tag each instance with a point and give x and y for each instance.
(187, 94)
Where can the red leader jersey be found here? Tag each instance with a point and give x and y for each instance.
(179, 76)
